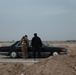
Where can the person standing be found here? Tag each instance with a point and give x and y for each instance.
(25, 44)
(36, 45)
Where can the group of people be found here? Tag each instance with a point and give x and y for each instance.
(36, 44)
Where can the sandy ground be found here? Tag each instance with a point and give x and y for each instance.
(54, 65)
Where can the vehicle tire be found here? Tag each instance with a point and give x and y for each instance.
(13, 54)
(55, 53)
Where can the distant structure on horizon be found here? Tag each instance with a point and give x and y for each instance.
(70, 40)
(7, 41)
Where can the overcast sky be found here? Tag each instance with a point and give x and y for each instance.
(50, 19)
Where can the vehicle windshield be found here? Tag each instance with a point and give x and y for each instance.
(45, 43)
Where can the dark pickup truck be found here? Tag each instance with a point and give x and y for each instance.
(14, 50)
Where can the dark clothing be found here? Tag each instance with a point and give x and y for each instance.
(36, 44)
(38, 52)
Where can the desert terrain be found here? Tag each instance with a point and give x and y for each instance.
(53, 65)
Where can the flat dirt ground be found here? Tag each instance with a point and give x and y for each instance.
(53, 65)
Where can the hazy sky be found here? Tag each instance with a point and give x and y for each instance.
(50, 19)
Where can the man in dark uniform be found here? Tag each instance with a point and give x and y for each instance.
(25, 44)
(36, 44)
